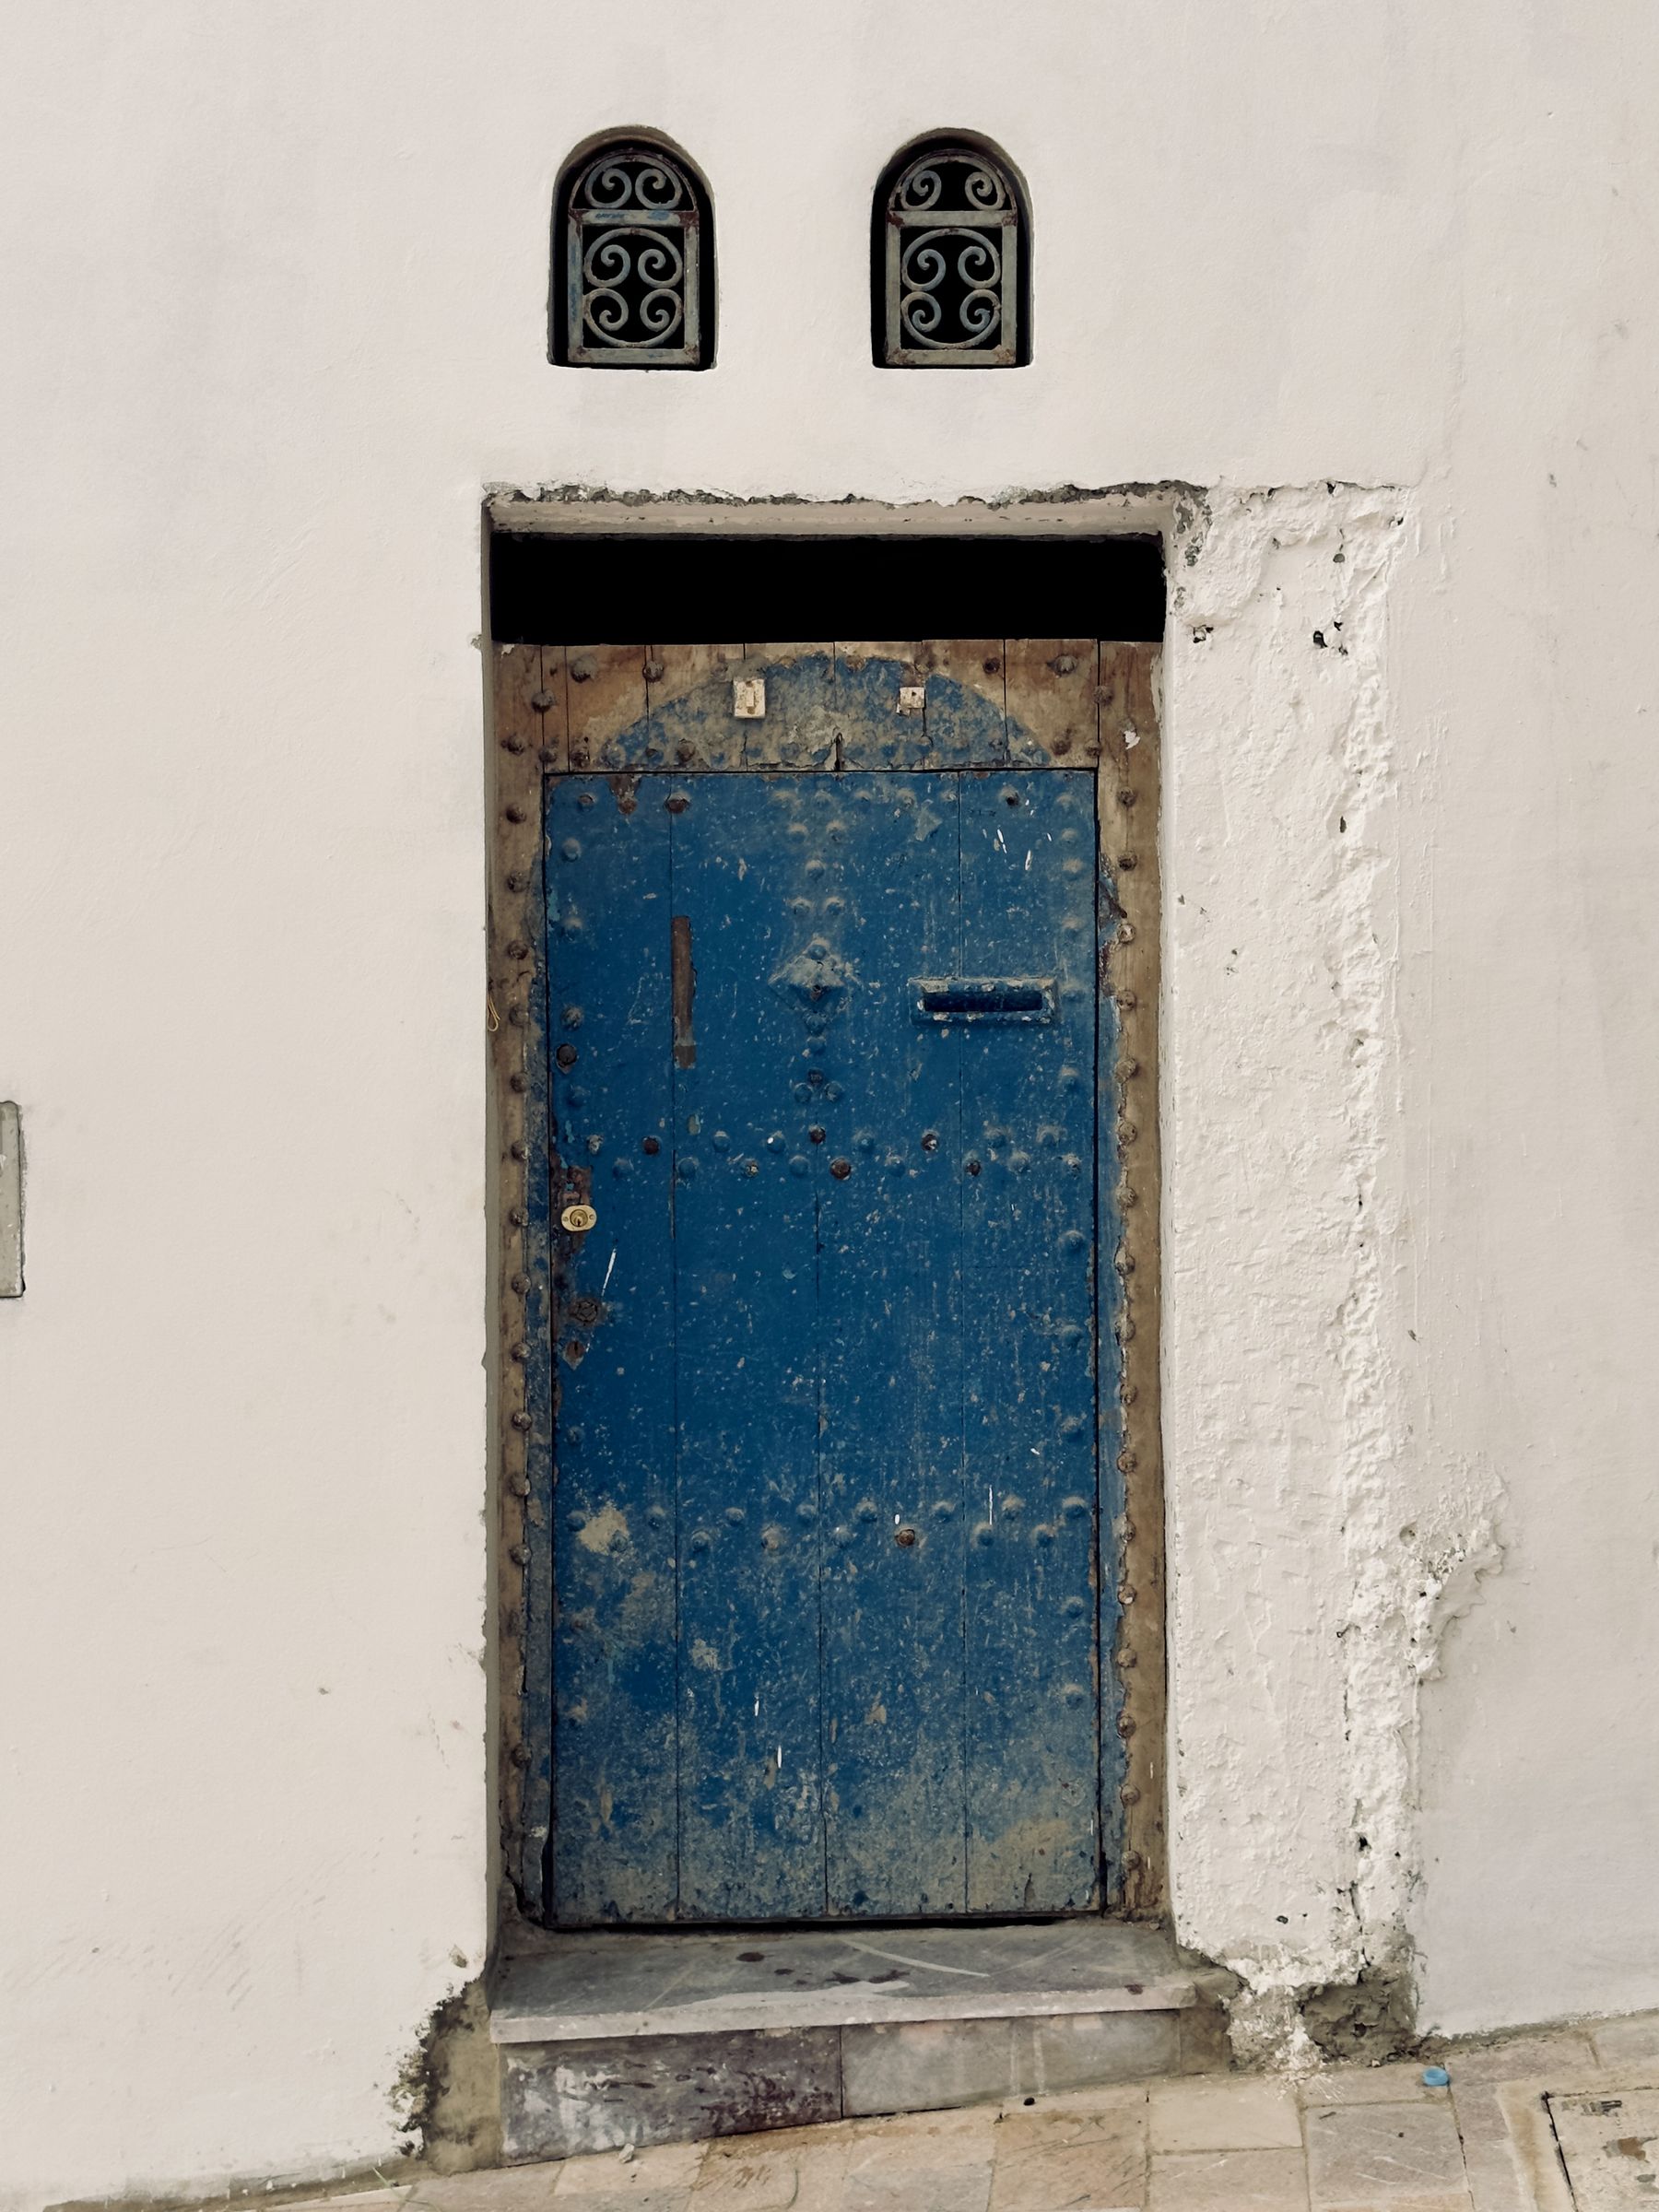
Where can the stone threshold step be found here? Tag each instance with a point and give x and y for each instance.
(596, 1986)
(607, 2039)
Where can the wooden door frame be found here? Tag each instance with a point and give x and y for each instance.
(524, 743)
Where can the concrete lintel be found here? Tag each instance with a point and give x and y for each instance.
(578, 512)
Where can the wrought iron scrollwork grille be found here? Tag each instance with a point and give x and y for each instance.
(635, 249)
(952, 276)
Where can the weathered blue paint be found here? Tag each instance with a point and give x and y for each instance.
(744, 1238)
(827, 1514)
(892, 1294)
(615, 1828)
(828, 706)
(1028, 878)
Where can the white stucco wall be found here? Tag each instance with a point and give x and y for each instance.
(277, 317)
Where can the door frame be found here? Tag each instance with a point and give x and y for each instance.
(522, 1470)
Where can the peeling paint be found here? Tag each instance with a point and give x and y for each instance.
(603, 1532)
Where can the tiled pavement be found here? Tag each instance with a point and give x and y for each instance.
(1345, 2139)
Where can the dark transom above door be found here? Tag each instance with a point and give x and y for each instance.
(833, 1581)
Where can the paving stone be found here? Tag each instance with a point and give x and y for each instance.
(658, 2180)
(1609, 2142)
(1440, 2200)
(767, 2173)
(1080, 2116)
(1405, 2157)
(1104, 2170)
(623, 2200)
(1491, 2165)
(1633, 2038)
(664, 2166)
(496, 2188)
(924, 2139)
(920, 2189)
(1236, 2114)
(931, 2162)
(745, 2174)
(354, 2200)
(1397, 2084)
(1525, 2112)
(1229, 2181)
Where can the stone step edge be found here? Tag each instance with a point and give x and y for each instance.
(521, 2022)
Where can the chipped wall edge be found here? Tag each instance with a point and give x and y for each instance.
(1317, 1552)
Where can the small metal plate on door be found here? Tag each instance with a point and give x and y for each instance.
(938, 1000)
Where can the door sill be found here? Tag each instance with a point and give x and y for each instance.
(612, 2038)
(568, 1987)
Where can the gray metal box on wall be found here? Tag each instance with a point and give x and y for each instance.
(11, 1201)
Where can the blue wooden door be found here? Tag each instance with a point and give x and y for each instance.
(827, 1538)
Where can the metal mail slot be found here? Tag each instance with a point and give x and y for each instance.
(941, 999)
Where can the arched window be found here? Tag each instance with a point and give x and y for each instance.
(950, 275)
(633, 260)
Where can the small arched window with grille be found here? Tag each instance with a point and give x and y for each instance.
(950, 261)
(633, 260)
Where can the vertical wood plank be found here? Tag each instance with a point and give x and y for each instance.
(1053, 713)
(894, 1339)
(966, 720)
(872, 680)
(614, 1843)
(751, 1812)
(607, 706)
(550, 704)
(516, 1008)
(1029, 1126)
(1131, 1600)
(691, 719)
(799, 728)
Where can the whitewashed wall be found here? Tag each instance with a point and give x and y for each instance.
(276, 317)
